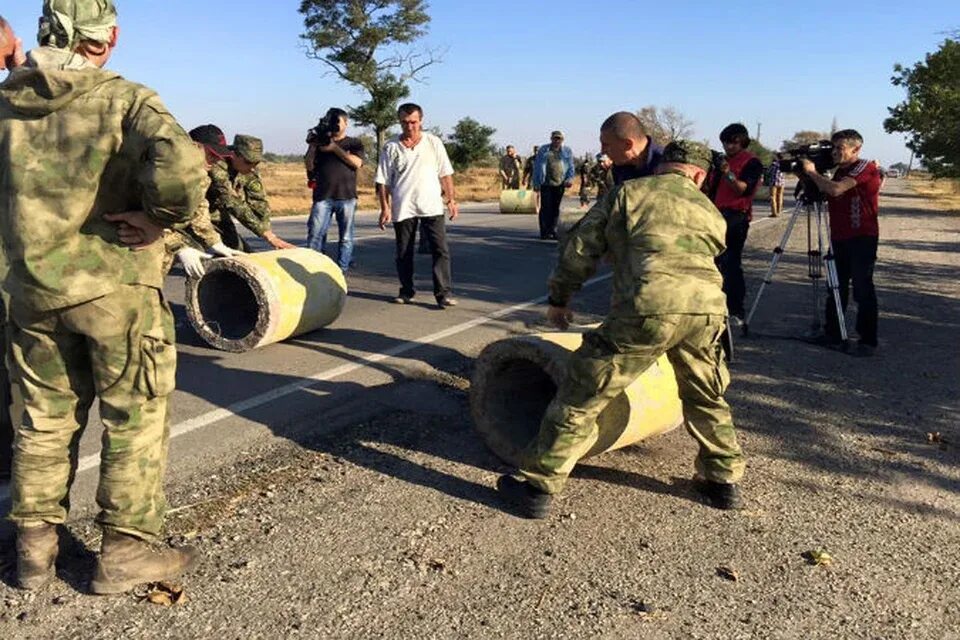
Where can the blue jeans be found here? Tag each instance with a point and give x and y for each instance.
(319, 223)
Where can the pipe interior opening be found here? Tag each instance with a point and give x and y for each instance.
(227, 304)
(518, 393)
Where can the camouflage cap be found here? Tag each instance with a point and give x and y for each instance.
(65, 23)
(688, 152)
(248, 148)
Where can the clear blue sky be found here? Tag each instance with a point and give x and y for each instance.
(529, 67)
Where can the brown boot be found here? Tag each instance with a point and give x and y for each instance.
(37, 548)
(126, 561)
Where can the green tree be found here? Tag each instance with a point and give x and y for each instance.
(930, 116)
(470, 143)
(366, 43)
(803, 138)
(765, 155)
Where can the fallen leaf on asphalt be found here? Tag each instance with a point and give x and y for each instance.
(166, 594)
(818, 557)
(728, 574)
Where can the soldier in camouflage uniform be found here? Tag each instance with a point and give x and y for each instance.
(601, 175)
(89, 161)
(528, 167)
(190, 245)
(663, 235)
(11, 55)
(236, 190)
(585, 182)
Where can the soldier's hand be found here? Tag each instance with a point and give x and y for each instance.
(276, 242)
(223, 250)
(192, 261)
(135, 229)
(560, 317)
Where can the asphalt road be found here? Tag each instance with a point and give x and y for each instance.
(225, 401)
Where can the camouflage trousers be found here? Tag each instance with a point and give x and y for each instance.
(609, 360)
(120, 349)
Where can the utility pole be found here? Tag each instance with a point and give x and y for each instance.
(757, 137)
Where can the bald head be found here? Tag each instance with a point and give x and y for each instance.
(624, 125)
(623, 139)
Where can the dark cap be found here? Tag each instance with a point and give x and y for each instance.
(556, 134)
(687, 152)
(211, 136)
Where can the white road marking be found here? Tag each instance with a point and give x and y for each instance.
(93, 461)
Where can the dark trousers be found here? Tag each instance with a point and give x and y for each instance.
(855, 259)
(730, 262)
(434, 229)
(228, 233)
(550, 198)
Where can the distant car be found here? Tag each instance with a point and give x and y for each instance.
(892, 173)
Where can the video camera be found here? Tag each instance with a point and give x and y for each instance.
(819, 153)
(717, 158)
(328, 127)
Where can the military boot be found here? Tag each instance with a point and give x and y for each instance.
(126, 561)
(527, 500)
(37, 548)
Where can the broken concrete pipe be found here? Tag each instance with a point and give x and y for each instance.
(518, 201)
(515, 380)
(255, 299)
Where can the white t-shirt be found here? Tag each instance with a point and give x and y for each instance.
(413, 176)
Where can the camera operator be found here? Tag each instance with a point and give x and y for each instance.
(853, 200)
(731, 186)
(332, 161)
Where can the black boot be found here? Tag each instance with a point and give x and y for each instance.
(529, 501)
(719, 495)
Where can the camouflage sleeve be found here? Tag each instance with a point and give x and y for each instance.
(256, 197)
(171, 177)
(227, 201)
(201, 227)
(580, 251)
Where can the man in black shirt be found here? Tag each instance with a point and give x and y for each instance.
(333, 168)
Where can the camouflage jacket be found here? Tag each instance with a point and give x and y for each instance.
(601, 178)
(200, 233)
(240, 196)
(663, 235)
(77, 142)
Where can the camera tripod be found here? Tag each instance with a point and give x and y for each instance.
(810, 204)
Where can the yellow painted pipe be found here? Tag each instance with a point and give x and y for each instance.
(518, 201)
(516, 378)
(256, 299)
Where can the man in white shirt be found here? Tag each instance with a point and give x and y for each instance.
(413, 175)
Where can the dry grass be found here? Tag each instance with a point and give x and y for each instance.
(286, 184)
(944, 191)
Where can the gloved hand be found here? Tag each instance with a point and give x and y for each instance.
(223, 250)
(192, 261)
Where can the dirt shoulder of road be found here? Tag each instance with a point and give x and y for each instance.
(391, 528)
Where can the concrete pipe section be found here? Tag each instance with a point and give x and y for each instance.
(518, 201)
(515, 379)
(256, 299)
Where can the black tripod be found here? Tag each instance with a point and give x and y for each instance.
(810, 203)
